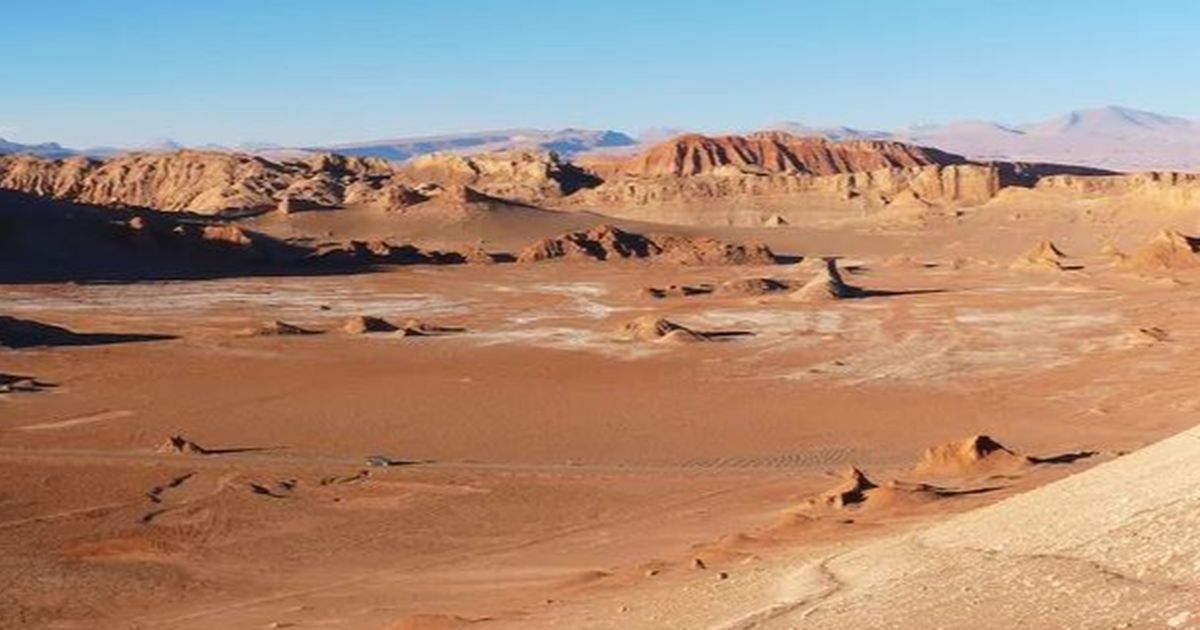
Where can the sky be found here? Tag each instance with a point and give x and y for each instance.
(310, 72)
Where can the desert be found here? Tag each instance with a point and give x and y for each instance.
(775, 377)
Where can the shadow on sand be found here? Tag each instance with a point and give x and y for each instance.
(1064, 458)
(24, 333)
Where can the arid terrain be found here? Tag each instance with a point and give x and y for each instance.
(723, 381)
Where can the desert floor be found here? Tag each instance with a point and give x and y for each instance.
(546, 474)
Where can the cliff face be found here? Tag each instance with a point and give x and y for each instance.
(523, 176)
(966, 184)
(767, 153)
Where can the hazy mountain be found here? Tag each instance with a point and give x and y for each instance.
(44, 149)
(1116, 138)
(830, 133)
(565, 142)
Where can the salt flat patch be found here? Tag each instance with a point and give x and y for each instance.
(588, 289)
(777, 321)
(1038, 319)
(1046, 288)
(102, 416)
(581, 302)
(975, 342)
(564, 338)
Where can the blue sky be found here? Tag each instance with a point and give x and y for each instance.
(306, 72)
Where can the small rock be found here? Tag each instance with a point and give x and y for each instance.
(722, 576)
(697, 563)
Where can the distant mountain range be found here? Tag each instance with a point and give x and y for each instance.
(565, 142)
(45, 149)
(1115, 138)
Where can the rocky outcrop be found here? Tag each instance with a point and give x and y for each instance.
(1167, 251)
(1045, 255)
(826, 285)
(976, 454)
(651, 328)
(1138, 191)
(524, 176)
(606, 242)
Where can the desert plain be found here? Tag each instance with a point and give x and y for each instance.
(731, 382)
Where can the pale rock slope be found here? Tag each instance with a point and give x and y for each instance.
(1117, 546)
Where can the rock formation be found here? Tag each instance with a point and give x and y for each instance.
(973, 455)
(1167, 251)
(178, 444)
(652, 328)
(767, 152)
(606, 242)
(852, 490)
(752, 286)
(1046, 255)
(366, 324)
(279, 328)
(826, 285)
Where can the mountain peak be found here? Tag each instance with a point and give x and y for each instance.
(1111, 120)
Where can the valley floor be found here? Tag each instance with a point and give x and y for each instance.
(544, 474)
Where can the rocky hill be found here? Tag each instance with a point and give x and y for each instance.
(763, 153)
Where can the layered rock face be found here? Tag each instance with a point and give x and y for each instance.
(768, 152)
(965, 184)
(1170, 191)
(697, 168)
(523, 176)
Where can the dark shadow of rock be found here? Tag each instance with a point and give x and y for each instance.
(1064, 458)
(24, 333)
(15, 383)
(725, 335)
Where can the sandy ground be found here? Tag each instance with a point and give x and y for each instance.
(548, 475)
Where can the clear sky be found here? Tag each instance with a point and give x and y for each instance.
(101, 72)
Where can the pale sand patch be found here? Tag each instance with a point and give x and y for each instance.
(92, 418)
